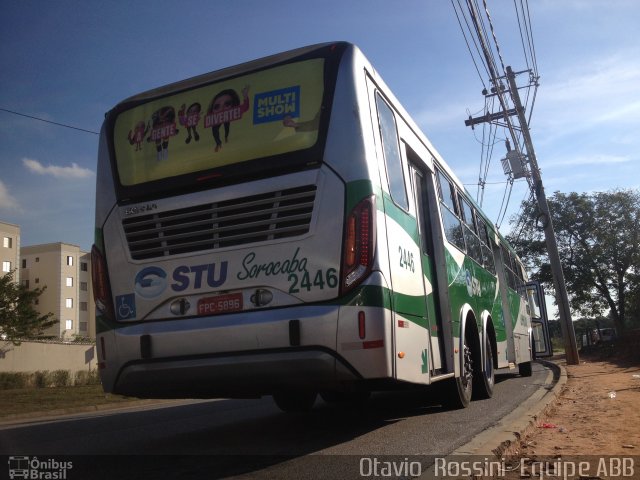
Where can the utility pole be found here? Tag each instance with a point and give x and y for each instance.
(566, 325)
(535, 181)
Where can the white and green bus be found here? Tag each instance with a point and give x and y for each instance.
(282, 227)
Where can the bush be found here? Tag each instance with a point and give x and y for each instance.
(42, 379)
(12, 380)
(84, 377)
(45, 379)
(61, 378)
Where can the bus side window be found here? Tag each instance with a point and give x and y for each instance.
(521, 278)
(487, 253)
(447, 193)
(467, 214)
(482, 231)
(506, 263)
(392, 157)
(473, 242)
(509, 264)
(452, 224)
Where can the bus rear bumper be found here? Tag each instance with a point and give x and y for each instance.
(246, 375)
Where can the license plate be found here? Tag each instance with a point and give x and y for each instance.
(231, 302)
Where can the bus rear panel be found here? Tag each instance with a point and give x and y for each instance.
(228, 249)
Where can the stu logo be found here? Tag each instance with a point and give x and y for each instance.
(194, 276)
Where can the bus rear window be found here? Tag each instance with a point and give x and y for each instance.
(258, 115)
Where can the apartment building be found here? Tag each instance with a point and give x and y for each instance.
(9, 249)
(65, 271)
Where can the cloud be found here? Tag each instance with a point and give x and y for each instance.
(74, 171)
(438, 113)
(7, 201)
(591, 159)
(441, 116)
(599, 94)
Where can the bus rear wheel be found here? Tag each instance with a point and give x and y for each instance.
(292, 401)
(485, 377)
(458, 391)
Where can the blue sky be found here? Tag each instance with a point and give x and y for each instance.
(70, 62)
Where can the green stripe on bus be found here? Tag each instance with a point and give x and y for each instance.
(365, 296)
(358, 190)
(406, 221)
(411, 305)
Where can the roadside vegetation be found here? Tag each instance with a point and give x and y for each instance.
(47, 379)
(19, 318)
(17, 403)
(598, 237)
(58, 391)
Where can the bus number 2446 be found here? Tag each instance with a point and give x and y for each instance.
(406, 259)
(328, 278)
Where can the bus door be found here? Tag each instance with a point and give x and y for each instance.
(410, 336)
(437, 352)
(541, 342)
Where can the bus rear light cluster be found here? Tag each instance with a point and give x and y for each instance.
(359, 244)
(101, 285)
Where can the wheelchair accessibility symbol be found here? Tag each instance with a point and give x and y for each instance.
(126, 306)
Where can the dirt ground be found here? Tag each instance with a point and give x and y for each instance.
(596, 414)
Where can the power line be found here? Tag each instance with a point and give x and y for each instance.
(532, 47)
(473, 59)
(489, 183)
(49, 121)
(487, 52)
(521, 215)
(498, 101)
(505, 202)
(493, 33)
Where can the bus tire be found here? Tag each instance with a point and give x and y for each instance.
(484, 376)
(458, 391)
(292, 401)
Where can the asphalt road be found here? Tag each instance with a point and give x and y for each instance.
(253, 439)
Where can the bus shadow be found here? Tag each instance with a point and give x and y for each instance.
(503, 377)
(254, 439)
(273, 438)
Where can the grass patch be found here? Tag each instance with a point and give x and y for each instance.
(29, 400)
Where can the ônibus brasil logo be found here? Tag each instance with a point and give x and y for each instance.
(34, 468)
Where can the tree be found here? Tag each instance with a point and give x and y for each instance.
(598, 239)
(633, 299)
(18, 319)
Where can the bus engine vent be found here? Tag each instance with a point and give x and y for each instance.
(257, 218)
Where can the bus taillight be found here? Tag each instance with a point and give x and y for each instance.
(362, 325)
(359, 244)
(101, 285)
